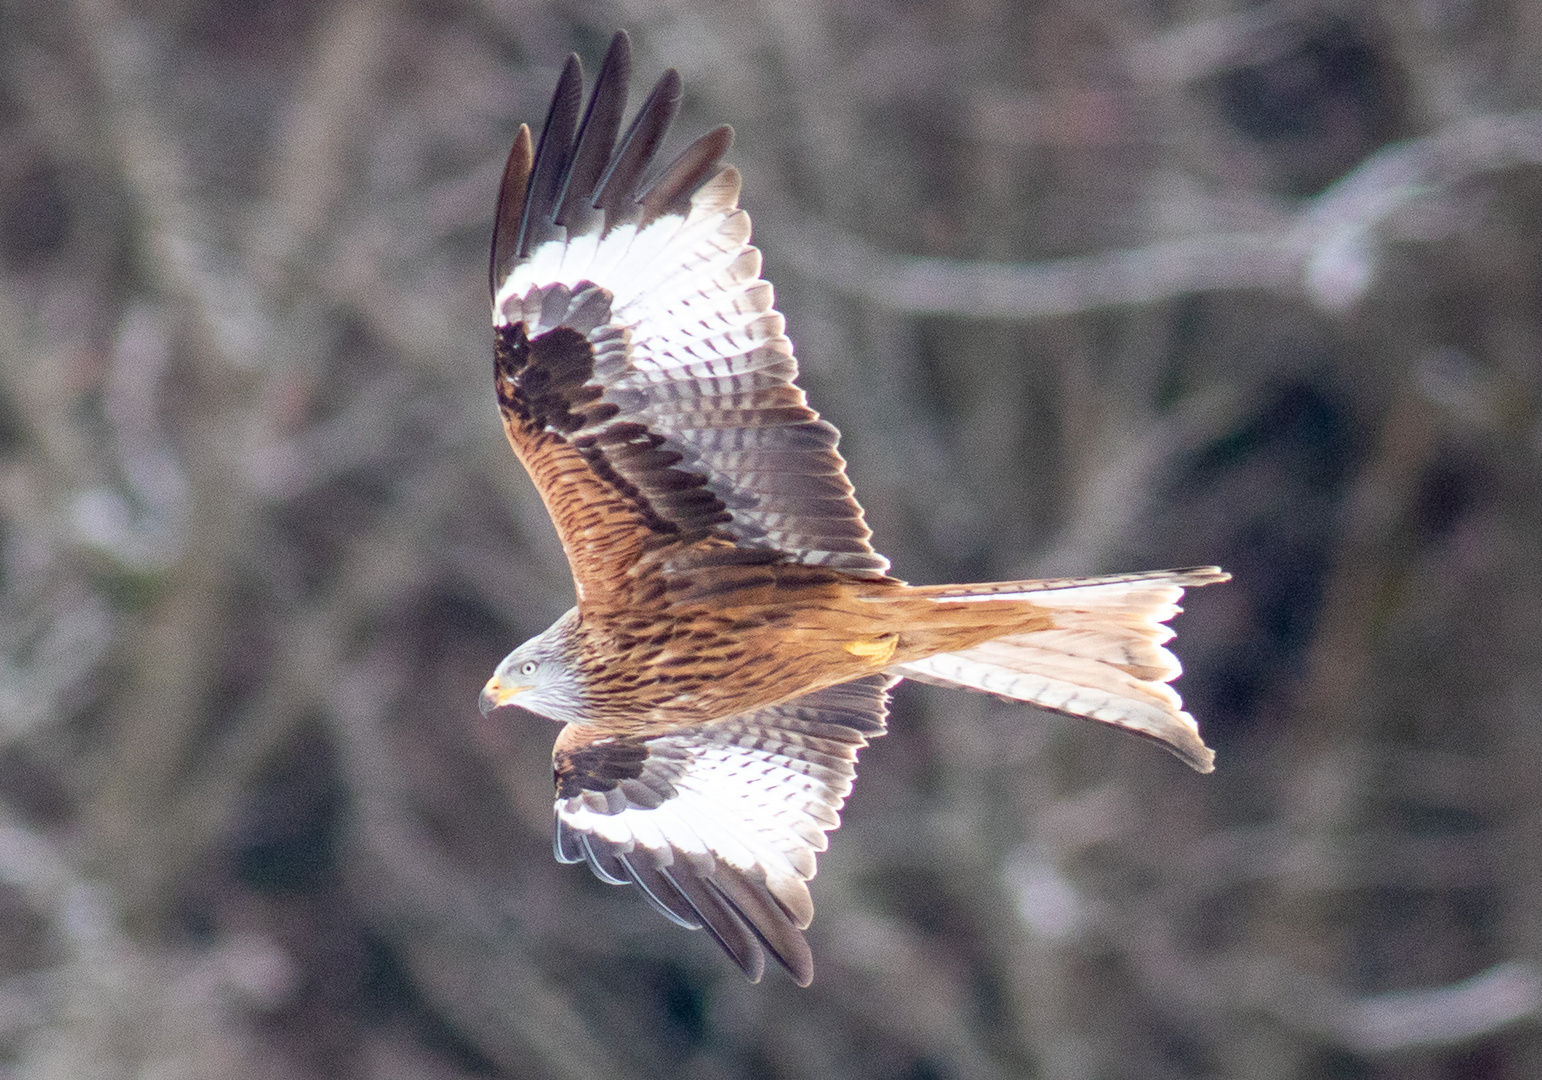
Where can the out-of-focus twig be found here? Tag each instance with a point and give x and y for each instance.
(1454, 1014)
(439, 915)
(182, 243)
(182, 1008)
(324, 121)
(1326, 248)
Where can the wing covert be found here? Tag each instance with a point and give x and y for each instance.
(719, 824)
(636, 337)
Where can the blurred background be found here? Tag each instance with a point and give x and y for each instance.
(1091, 286)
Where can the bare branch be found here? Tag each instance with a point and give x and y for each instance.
(1326, 248)
(182, 243)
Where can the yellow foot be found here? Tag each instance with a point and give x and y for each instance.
(876, 650)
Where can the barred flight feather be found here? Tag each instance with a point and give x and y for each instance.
(750, 801)
(682, 336)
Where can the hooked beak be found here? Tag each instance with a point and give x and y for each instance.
(495, 694)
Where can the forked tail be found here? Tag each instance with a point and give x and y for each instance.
(1103, 658)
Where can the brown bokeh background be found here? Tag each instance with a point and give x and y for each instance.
(1090, 286)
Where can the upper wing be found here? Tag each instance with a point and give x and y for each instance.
(642, 371)
(718, 824)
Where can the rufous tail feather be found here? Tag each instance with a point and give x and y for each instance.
(1103, 657)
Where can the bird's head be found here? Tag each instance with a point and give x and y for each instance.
(539, 676)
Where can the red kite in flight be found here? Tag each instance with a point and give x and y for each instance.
(736, 635)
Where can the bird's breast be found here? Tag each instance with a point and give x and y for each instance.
(648, 671)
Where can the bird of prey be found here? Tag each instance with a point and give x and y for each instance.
(736, 635)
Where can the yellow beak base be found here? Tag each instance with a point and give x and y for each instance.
(495, 694)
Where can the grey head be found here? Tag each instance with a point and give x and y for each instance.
(540, 675)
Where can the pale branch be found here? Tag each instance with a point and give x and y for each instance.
(1376, 1024)
(182, 246)
(1201, 49)
(53, 886)
(1459, 1012)
(320, 128)
(143, 525)
(370, 429)
(1109, 505)
(1326, 248)
(69, 1019)
(47, 653)
(303, 671)
(465, 954)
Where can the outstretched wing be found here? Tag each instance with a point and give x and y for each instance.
(643, 373)
(719, 824)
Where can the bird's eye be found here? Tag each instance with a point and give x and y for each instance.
(527, 668)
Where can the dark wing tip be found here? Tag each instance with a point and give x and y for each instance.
(552, 155)
(772, 926)
(617, 190)
(511, 206)
(580, 174)
(596, 136)
(721, 921)
(671, 192)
